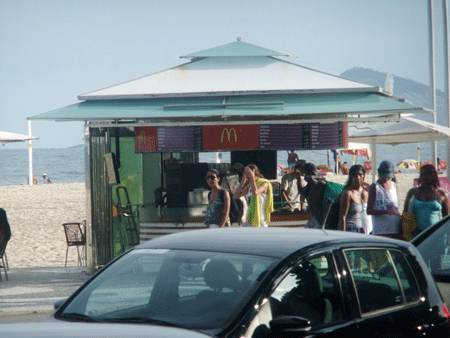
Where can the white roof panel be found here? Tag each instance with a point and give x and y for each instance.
(231, 76)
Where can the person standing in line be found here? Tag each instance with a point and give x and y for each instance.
(383, 203)
(292, 158)
(289, 187)
(259, 194)
(313, 192)
(217, 215)
(351, 208)
(430, 202)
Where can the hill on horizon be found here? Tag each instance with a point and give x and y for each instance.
(412, 91)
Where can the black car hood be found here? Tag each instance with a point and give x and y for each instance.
(93, 330)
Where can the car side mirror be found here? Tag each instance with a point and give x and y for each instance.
(59, 303)
(289, 324)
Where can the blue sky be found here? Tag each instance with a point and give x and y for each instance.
(52, 51)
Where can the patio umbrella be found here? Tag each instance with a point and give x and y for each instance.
(358, 149)
(407, 164)
(6, 137)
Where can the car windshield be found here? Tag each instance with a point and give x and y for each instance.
(191, 289)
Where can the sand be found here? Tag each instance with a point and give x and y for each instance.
(36, 215)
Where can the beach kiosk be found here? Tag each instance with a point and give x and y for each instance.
(144, 138)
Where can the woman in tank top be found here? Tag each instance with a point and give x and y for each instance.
(430, 201)
(383, 203)
(351, 201)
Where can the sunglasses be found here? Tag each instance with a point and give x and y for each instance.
(211, 177)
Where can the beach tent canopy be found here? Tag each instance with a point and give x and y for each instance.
(6, 137)
(408, 130)
(234, 83)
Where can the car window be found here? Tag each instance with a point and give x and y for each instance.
(382, 279)
(435, 250)
(185, 288)
(310, 290)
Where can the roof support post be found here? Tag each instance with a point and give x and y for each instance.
(432, 75)
(30, 156)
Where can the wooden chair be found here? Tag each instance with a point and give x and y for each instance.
(4, 264)
(75, 237)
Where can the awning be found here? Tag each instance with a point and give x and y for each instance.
(6, 137)
(408, 130)
(287, 108)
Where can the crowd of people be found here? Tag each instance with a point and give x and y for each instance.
(362, 208)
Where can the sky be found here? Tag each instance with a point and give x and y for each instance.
(53, 51)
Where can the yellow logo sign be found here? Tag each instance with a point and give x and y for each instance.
(228, 132)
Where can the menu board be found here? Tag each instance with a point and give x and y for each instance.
(326, 136)
(298, 136)
(284, 136)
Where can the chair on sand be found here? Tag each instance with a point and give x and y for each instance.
(74, 237)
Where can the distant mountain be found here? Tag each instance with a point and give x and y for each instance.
(414, 92)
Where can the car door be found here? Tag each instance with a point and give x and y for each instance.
(434, 246)
(310, 294)
(387, 293)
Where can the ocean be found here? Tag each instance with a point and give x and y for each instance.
(66, 165)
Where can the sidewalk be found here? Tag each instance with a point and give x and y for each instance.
(35, 290)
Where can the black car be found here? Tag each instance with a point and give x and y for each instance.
(434, 245)
(260, 282)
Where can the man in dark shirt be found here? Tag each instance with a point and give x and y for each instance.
(314, 192)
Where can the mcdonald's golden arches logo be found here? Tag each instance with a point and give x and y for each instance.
(229, 132)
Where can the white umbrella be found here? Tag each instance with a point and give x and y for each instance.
(6, 137)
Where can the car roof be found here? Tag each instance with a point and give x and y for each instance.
(271, 242)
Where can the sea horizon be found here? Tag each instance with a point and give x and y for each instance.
(67, 165)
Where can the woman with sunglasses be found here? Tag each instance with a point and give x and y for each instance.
(217, 215)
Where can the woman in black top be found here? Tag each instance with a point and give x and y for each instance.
(217, 215)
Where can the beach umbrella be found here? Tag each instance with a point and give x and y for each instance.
(358, 149)
(6, 137)
(407, 164)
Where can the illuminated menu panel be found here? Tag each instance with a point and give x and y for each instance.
(280, 136)
(326, 136)
(176, 139)
(299, 136)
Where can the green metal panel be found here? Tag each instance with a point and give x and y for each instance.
(240, 107)
(130, 175)
(236, 48)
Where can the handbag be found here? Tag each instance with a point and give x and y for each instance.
(409, 223)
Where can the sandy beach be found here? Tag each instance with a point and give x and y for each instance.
(36, 215)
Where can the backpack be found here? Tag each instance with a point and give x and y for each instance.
(236, 207)
(328, 215)
(330, 210)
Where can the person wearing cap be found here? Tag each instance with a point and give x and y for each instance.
(382, 203)
(313, 193)
(289, 187)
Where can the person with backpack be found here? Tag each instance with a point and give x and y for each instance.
(218, 212)
(351, 210)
